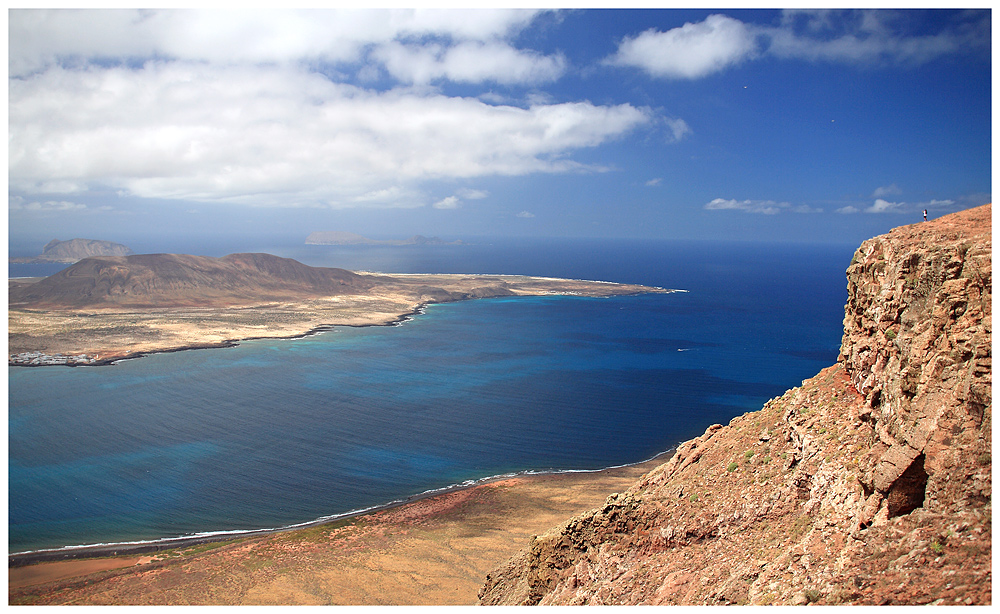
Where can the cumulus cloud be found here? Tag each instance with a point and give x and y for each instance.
(691, 51)
(526, 214)
(451, 202)
(472, 194)
(470, 62)
(270, 135)
(848, 209)
(884, 206)
(696, 50)
(41, 37)
(888, 190)
(654, 182)
(767, 207)
(678, 128)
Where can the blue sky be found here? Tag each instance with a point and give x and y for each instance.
(814, 126)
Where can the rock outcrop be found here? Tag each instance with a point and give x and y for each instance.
(868, 484)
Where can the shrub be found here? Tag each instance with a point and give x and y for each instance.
(732, 467)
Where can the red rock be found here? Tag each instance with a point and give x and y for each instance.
(872, 485)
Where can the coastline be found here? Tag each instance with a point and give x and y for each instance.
(103, 335)
(431, 549)
(114, 549)
(230, 343)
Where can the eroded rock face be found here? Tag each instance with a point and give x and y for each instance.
(916, 343)
(869, 484)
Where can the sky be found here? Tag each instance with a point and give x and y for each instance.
(752, 125)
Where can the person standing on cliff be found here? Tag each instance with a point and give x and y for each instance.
(925, 215)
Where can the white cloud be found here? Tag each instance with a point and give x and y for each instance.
(472, 194)
(767, 207)
(41, 37)
(451, 202)
(526, 214)
(678, 128)
(869, 36)
(470, 62)
(691, 51)
(888, 190)
(654, 182)
(696, 50)
(272, 135)
(883, 206)
(49, 206)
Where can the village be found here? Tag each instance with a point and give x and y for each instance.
(37, 359)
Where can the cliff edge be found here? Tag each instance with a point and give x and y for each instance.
(868, 484)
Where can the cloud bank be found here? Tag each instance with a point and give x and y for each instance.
(347, 108)
(254, 107)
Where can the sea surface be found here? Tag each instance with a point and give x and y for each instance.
(280, 432)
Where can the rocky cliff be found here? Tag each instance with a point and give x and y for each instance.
(868, 484)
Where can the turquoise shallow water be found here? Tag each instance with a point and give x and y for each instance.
(274, 433)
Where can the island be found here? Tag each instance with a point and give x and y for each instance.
(350, 238)
(75, 250)
(104, 309)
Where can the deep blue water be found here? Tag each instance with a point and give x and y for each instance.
(274, 433)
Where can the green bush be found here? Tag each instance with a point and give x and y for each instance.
(732, 467)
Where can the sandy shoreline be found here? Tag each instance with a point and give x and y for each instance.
(434, 548)
(22, 559)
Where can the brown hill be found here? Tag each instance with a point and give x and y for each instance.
(75, 250)
(171, 280)
(869, 484)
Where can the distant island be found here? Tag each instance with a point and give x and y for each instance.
(109, 307)
(75, 250)
(349, 238)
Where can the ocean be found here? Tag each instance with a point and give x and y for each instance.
(275, 433)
